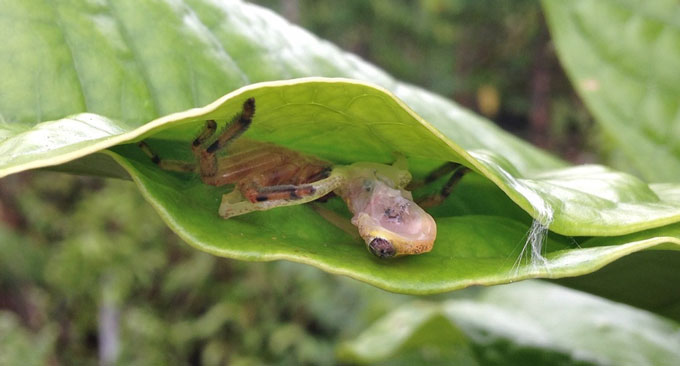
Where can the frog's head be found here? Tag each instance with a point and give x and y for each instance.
(393, 225)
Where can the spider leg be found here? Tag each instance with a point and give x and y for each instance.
(441, 171)
(458, 172)
(256, 198)
(172, 165)
(236, 127)
(208, 131)
(280, 192)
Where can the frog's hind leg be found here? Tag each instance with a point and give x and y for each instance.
(256, 198)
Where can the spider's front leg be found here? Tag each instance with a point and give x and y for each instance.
(207, 155)
(165, 164)
(176, 165)
(458, 171)
(253, 197)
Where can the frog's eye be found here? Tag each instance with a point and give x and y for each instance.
(382, 248)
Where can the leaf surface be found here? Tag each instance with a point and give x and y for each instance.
(622, 57)
(522, 324)
(130, 70)
(477, 244)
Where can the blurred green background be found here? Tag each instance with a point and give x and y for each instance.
(90, 274)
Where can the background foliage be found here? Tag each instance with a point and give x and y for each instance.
(87, 267)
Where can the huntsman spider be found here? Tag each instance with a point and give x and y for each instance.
(266, 176)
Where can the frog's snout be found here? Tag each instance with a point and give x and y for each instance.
(382, 248)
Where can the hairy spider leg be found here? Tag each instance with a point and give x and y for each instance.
(234, 203)
(436, 199)
(236, 127)
(439, 172)
(207, 156)
(277, 184)
(208, 131)
(172, 165)
(282, 192)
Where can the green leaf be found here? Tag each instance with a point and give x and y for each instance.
(622, 56)
(647, 280)
(477, 246)
(109, 59)
(347, 121)
(524, 324)
(21, 345)
(194, 51)
(416, 334)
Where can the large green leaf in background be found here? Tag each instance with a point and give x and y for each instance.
(622, 57)
(133, 61)
(529, 323)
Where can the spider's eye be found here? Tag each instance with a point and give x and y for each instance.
(382, 248)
